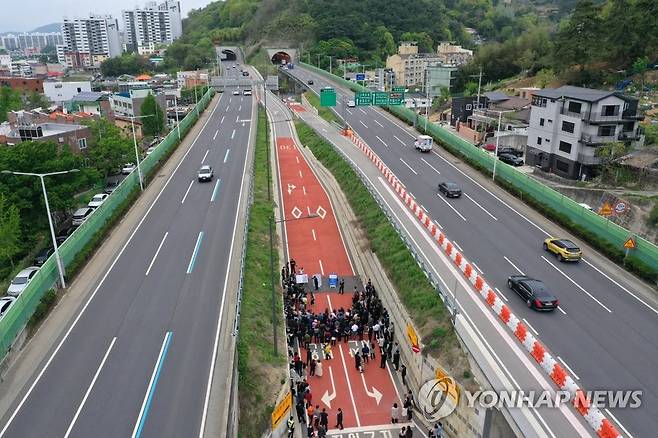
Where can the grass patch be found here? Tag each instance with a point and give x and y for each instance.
(260, 372)
(323, 111)
(414, 289)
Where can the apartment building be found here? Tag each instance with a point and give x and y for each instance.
(30, 40)
(453, 55)
(568, 125)
(89, 41)
(408, 65)
(152, 25)
(129, 104)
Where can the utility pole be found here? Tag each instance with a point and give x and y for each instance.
(330, 62)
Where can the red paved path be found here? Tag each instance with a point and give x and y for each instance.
(317, 246)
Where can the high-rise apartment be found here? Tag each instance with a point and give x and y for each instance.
(89, 41)
(152, 25)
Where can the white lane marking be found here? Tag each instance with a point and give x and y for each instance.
(621, 426)
(383, 142)
(423, 207)
(514, 266)
(620, 286)
(157, 251)
(366, 126)
(308, 210)
(349, 112)
(221, 306)
(568, 367)
(195, 253)
(237, 118)
(230, 99)
(396, 137)
(215, 136)
(93, 294)
(233, 134)
(187, 191)
(204, 156)
(493, 195)
(361, 109)
(240, 108)
(227, 108)
(477, 267)
(349, 385)
(300, 174)
(376, 121)
(91, 386)
(304, 190)
(228, 151)
(481, 207)
(453, 208)
(457, 245)
(433, 168)
(531, 327)
(215, 190)
(501, 294)
(561, 310)
(438, 224)
(221, 121)
(321, 267)
(149, 390)
(297, 158)
(410, 168)
(313, 232)
(576, 284)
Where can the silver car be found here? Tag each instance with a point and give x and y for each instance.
(20, 282)
(205, 173)
(5, 304)
(81, 215)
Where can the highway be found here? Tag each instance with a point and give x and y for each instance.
(604, 332)
(136, 360)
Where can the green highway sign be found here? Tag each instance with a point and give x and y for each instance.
(362, 98)
(381, 98)
(398, 89)
(395, 98)
(327, 97)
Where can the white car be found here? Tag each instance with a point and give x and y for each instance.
(5, 304)
(236, 92)
(205, 174)
(127, 168)
(246, 92)
(150, 150)
(81, 215)
(97, 200)
(351, 103)
(20, 282)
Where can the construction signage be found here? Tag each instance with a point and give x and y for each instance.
(281, 410)
(413, 338)
(630, 243)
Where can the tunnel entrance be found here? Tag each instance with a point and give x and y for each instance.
(229, 55)
(281, 58)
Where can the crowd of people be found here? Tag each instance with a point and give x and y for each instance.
(310, 329)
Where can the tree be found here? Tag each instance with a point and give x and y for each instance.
(425, 42)
(544, 77)
(109, 149)
(10, 230)
(10, 100)
(154, 125)
(579, 39)
(470, 89)
(37, 100)
(441, 99)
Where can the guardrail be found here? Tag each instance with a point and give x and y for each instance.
(601, 227)
(23, 308)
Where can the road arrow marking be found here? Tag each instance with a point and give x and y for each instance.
(374, 394)
(291, 187)
(327, 398)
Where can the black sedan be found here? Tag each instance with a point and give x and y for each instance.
(64, 234)
(310, 82)
(451, 190)
(43, 255)
(511, 159)
(534, 292)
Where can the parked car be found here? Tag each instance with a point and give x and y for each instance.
(510, 159)
(5, 304)
(310, 82)
(150, 150)
(509, 150)
(564, 249)
(42, 256)
(127, 168)
(20, 282)
(533, 292)
(586, 206)
(111, 186)
(81, 215)
(450, 189)
(246, 92)
(205, 173)
(64, 234)
(97, 200)
(236, 92)
(351, 103)
(489, 147)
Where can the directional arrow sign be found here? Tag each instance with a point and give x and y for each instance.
(374, 394)
(291, 187)
(327, 398)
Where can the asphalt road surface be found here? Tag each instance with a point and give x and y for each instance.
(605, 329)
(137, 360)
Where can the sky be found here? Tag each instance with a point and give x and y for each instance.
(25, 15)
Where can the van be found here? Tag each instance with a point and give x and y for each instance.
(423, 143)
(81, 215)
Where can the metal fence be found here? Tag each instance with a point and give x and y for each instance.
(23, 308)
(598, 225)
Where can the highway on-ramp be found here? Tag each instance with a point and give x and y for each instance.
(136, 360)
(604, 332)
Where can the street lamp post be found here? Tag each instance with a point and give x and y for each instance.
(132, 124)
(500, 115)
(272, 275)
(60, 266)
(177, 122)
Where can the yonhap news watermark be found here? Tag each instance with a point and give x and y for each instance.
(438, 398)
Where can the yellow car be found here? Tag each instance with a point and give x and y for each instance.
(564, 249)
